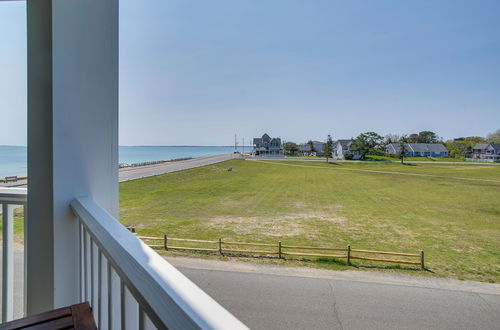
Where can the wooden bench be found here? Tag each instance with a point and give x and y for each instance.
(78, 317)
(10, 179)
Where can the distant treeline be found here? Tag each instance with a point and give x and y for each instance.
(372, 143)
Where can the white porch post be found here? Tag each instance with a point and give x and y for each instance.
(72, 136)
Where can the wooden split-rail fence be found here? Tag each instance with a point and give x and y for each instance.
(282, 250)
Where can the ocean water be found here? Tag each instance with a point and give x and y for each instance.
(13, 159)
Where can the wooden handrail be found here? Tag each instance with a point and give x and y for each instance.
(192, 249)
(312, 248)
(386, 252)
(151, 238)
(250, 251)
(314, 255)
(190, 240)
(249, 244)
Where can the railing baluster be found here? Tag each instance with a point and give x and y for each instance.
(87, 267)
(115, 305)
(130, 310)
(84, 265)
(110, 297)
(103, 290)
(8, 263)
(147, 323)
(91, 272)
(97, 281)
(81, 258)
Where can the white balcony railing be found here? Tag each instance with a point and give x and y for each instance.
(128, 285)
(10, 198)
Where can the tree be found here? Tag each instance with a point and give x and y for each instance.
(328, 147)
(428, 137)
(290, 148)
(392, 138)
(403, 148)
(413, 138)
(367, 142)
(311, 145)
(494, 137)
(462, 147)
(423, 137)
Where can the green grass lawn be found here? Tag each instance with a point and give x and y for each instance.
(18, 225)
(452, 212)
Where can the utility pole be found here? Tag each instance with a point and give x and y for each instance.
(235, 142)
(243, 146)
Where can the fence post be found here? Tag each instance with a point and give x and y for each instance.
(348, 254)
(165, 242)
(279, 249)
(220, 245)
(422, 265)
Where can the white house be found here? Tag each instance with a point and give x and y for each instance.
(343, 148)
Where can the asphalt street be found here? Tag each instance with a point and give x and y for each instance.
(265, 299)
(139, 172)
(132, 173)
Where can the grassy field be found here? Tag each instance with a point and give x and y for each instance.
(450, 211)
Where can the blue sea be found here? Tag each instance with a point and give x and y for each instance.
(13, 159)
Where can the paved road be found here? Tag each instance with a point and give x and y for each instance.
(270, 297)
(133, 173)
(139, 172)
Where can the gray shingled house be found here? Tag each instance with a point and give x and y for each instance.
(488, 152)
(267, 147)
(305, 149)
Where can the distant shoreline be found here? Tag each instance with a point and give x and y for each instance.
(13, 159)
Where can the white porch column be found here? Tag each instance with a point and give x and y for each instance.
(72, 136)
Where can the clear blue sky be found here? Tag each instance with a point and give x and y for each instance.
(196, 72)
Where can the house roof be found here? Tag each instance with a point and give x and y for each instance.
(344, 143)
(257, 140)
(495, 146)
(480, 146)
(427, 147)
